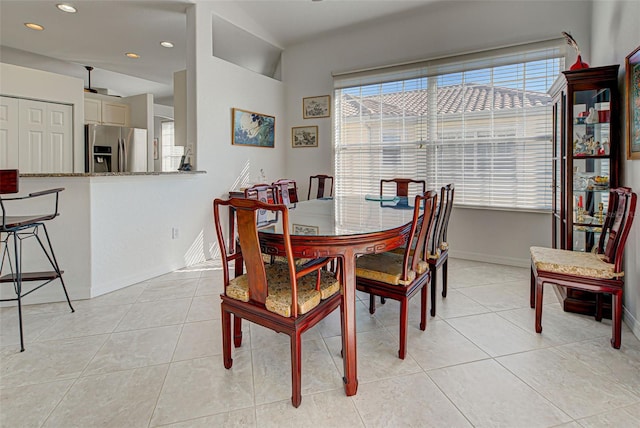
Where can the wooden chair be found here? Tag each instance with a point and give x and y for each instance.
(264, 294)
(267, 193)
(288, 190)
(402, 186)
(439, 247)
(400, 276)
(15, 231)
(321, 184)
(597, 272)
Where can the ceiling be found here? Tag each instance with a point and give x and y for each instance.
(101, 32)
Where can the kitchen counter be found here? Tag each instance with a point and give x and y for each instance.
(109, 174)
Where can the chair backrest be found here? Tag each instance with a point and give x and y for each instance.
(246, 211)
(321, 180)
(288, 190)
(9, 181)
(267, 193)
(423, 217)
(402, 185)
(620, 214)
(441, 223)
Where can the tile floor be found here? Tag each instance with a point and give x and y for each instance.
(150, 355)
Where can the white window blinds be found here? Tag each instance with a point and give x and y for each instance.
(481, 121)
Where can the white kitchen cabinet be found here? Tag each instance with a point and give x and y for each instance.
(115, 113)
(106, 112)
(9, 127)
(37, 136)
(92, 111)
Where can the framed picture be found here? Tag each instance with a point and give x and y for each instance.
(301, 229)
(313, 107)
(252, 129)
(632, 72)
(156, 153)
(304, 136)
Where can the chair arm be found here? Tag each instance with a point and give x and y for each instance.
(312, 265)
(46, 192)
(55, 191)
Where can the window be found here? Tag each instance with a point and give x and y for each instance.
(171, 154)
(481, 121)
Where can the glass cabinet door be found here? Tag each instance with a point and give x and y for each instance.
(591, 151)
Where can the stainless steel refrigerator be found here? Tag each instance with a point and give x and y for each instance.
(115, 149)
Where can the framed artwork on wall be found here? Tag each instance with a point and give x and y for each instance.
(632, 74)
(315, 107)
(252, 129)
(304, 136)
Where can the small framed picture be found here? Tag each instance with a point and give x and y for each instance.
(304, 136)
(252, 129)
(156, 152)
(301, 229)
(314, 107)
(632, 77)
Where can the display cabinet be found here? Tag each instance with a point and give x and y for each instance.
(586, 140)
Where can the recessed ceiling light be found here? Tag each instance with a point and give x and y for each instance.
(166, 44)
(66, 8)
(33, 26)
(132, 55)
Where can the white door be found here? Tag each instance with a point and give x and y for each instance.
(9, 133)
(46, 137)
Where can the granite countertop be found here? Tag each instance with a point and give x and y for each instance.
(109, 174)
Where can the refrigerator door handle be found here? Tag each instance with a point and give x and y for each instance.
(124, 157)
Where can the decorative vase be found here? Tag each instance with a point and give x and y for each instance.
(579, 65)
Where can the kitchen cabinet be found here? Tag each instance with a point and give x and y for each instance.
(586, 144)
(105, 112)
(37, 136)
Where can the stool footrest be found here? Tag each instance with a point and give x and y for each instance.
(32, 276)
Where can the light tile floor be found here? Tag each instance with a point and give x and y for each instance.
(150, 355)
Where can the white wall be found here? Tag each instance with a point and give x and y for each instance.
(438, 30)
(616, 33)
(222, 86)
(44, 86)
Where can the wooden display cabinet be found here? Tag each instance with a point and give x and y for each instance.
(586, 144)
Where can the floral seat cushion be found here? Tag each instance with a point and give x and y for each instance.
(279, 289)
(573, 263)
(387, 268)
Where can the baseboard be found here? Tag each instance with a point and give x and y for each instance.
(489, 258)
(631, 322)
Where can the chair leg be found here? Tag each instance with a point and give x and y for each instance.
(434, 286)
(539, 293)
(383, 300)
(598, 307)
(226, 337)
(18, 282)
(616, 324)
(404, 317)
(532, 290)
(20, 317)
(296, 368)
(423, 307)
(372, 303)
(54, 263)
(237, 331)
(445, 276)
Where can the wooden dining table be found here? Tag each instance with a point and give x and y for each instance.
(343, 228)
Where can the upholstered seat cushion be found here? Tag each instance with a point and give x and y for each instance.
(387, 268)
(279, 289)
(573, 263)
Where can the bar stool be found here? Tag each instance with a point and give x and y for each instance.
(18, 228)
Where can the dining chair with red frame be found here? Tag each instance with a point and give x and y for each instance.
(439, 247)
(264, 295)
(288, 190)
(402, 186)
(323, 182)
(400, 275)
(598, 272)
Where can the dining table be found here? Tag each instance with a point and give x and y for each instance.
(343, 227)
